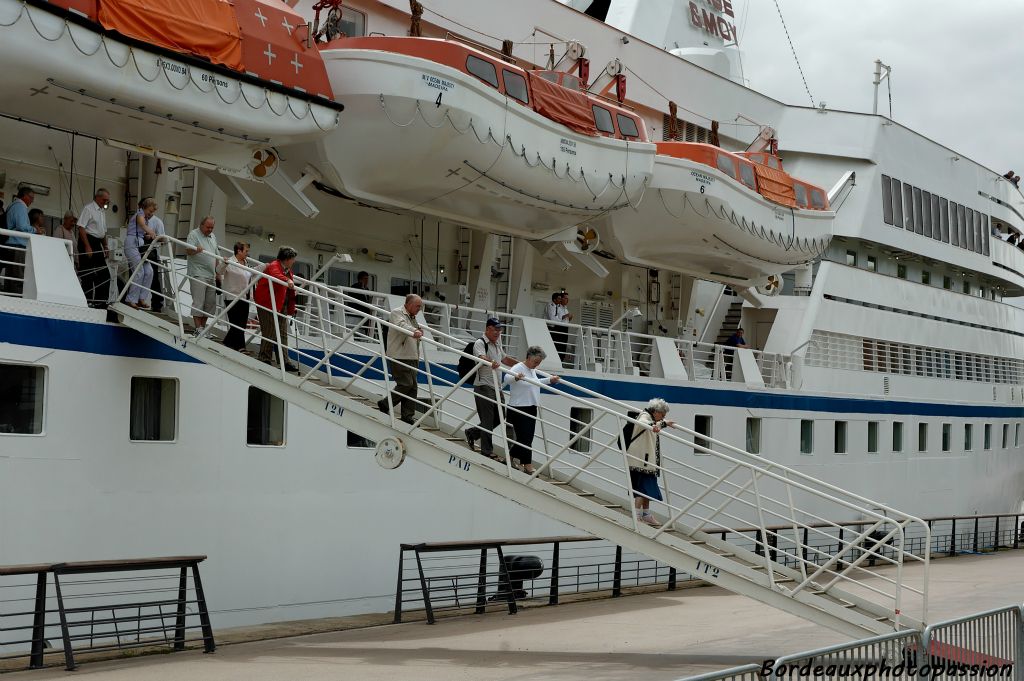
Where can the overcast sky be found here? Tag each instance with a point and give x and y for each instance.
(956, 65)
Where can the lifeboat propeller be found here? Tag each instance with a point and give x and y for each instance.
(266, 163)
(773, 286)
(587, 240)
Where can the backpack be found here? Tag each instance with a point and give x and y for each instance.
(467, 364)
(628, 429)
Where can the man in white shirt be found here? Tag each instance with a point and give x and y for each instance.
(489, 349)
(92, 252)
(403, 351)
(202, 275)
(557, 314)
(157, 300)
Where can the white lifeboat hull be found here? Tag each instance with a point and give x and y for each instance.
(422, 136)
(67, 75)
(697, 220)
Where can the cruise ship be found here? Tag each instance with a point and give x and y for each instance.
(486, 157)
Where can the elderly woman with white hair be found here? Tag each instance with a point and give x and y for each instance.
(643, 451)
(523, 402)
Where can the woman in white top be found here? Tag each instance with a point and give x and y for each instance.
(524, 388)
(137, 239)
(235, 276)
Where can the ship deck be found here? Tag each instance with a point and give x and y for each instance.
(659, 636)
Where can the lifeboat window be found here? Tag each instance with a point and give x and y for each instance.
(817, 199)
(773, 162)
(482, 69)
(627, 126)
(727, 165)
(551, 76)
(603, 119)
(747, 175)
(801, 195)
(515, 86)
(353, 23)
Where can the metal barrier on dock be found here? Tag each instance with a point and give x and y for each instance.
(91, 607)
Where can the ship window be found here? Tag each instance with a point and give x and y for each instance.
(727, 165)
(872, 263)
(1006, 435)
(801, 195)
(603, 119)
(918, 213)
(988, 436)
(887, 199)
(1016, 435)
(926, 277)
(265, 422)
(901, 271)
(154, 409)
(897, 203)
(515, 86)
(967, 287)
(986, 233)
(22, 393)
(701, 424)
(922, 437)
(851, 258)
(961, 225)
(579, 422)
(357, 441)
(947, 436)
(908, 206)
(482, 69)
(754, 435)
(926, 212)
(947, 283)
(897, 436)
(969, 228)
(806, 436)
(747, 175)
(817, 199)
(872, 437)
(627, 126)
(944, 220)
(840, 437)
(968, 436)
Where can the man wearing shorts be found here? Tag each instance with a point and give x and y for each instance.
(202, 275)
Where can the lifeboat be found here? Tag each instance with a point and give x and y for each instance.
(446, 129)
(200, 80)
(739, 218)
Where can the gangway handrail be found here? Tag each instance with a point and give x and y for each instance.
(749, 497)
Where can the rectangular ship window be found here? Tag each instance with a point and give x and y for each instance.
(153, 409)
(702, 424)
(988, 436)
(840, 437)
(897, 436)
(753, 440)
(887, 199)
(968, 437)
(872, 437)
(579, 422)
(947, 436)
(922, 437)
(1006, 435)
(897, 203)
(265, 421)
(22, 393)
(806, 436)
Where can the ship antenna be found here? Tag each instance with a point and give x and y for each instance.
(793, 49)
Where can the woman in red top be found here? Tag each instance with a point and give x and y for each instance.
(273, 311)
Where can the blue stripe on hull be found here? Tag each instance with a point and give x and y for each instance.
(105, 339)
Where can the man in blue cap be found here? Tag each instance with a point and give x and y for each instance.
(488, 348)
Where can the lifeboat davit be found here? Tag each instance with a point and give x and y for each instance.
(202, 80)
(442, 128)
(733, 217)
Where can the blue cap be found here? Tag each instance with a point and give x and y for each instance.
(494, 321)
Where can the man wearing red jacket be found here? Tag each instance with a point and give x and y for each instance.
(273, 310)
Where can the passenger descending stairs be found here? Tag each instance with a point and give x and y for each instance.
(731, 321)
(591, 510)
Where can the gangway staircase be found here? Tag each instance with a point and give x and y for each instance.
(711, 487)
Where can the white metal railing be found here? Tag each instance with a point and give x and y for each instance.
(855, 353)
(709, 486)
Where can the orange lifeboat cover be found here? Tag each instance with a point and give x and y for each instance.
(562, 105)
(204, 28)
(775, 185)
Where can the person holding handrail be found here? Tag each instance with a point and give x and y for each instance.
(523, 402)
(403, 352)
(488, 348)
(273, 311)
(643, 452)
(235, 274)
(138, 237)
